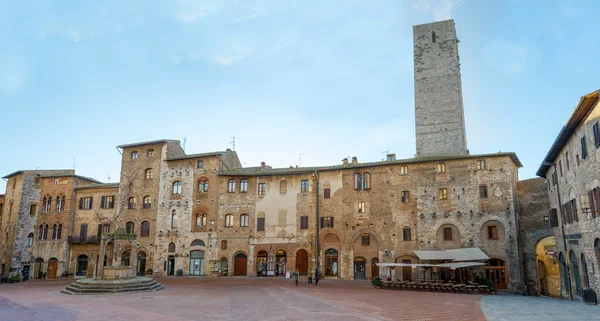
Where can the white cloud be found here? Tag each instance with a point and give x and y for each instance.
(439, 9)
(508, 57)
(225, 60)
(190, 11)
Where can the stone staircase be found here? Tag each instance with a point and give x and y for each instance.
(92, 286)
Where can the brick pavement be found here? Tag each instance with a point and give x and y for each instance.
(236, 299)
(528, 308)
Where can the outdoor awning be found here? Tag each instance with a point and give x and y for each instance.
(403, 264)
(452, 266)
(457, 255)
(459, 265)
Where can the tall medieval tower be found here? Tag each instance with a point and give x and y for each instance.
(439, 115)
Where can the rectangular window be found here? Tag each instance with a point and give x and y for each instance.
(82, 232)
(406, 234)
(492, 232)
(243, 186)
(228, 220)
(443, 194)
(403, 170)
(574, 209)
(327, 193)
(231, 186)
(261, 189)
(85, 203)
(597, 134)
(447, 234)
(365, 239)
(326, 222)
(106, 228)
(405, 196)
(361, 207)
(567, 160)
(553, 218)
(56, 181)
(200, 164)
(577, 159)
(560, 168)
(584, 152)
(303, 222)
(481, 164)
(32, 209)
(107, 202)
(260, 224)
(483, 192)
(304, 186)
(441, 168)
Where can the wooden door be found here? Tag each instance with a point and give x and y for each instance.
(52, 267)
(374, 268)
(498, 277)
(406, 271)
(239, 265)
(302, 262)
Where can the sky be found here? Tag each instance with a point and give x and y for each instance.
(320, 80)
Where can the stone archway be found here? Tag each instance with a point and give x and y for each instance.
(547, 267)
(240, 262)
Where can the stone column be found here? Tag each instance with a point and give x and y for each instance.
(134, 256)
(100, 269)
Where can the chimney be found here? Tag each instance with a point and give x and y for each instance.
(262, 165)
(354, 160)
(228, 150)
(345, 161)
(391, 157)
(291, 167)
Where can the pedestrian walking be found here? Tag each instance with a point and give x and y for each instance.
(297, 276)
(309, 276)
(317, 276)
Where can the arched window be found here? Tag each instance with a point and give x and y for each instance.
(49, 204)
(30, 239)
(59, 233)
(203, 185)
(60, 203)
(44, 202)
(177, 188)
(125, 259)
(131, 203)
(244, 219)
(149, 173)
(441, 167)
(130, 227)
(283, 187)
(145, 229)
(54, 231)
(357, 181)
(228, 220)
(147, 202)
(223, 245)
(41, 233)
(134, 154)
(45, 236)
(231, 186)
(201, 220)
(171, 247)
(198, 243)
(367, 181)
(433, 38)
(243, 185)
(173, 219)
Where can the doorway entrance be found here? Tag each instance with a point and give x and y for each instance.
(197, 263)
(141, 264)
(52, 267)
(576, 276)
(331, 262)
(261, 263)
(224, 267)
(37, 269)
(495, 271)
(281, 259)
(171, 265)
(374, 268)
(407, 271)
(239, 264)
(547, 267)
(82, 264)
(302, 262)
(359, 268)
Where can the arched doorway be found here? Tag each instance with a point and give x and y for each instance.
(281, 260)
(52, 267)
(359, 268)
(495, 271)
(141, 264)
(302, 262)
(331, 262)
(564, 272)
(171, 265)
(82, 264)
(586, 279)
(575, 267)
(261, 263)
(125, 258)
(37, 270)
(374, 267)
(197, 263)
(239, 264)
(224, 267)
(597, 251)
(547, 267)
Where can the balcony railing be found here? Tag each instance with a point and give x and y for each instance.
(79, 240)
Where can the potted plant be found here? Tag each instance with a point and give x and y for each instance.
(149, 272)
(14, 279)
(376, 283)
(43, 275)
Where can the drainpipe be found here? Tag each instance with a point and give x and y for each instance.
(562, 229)
(317, 244)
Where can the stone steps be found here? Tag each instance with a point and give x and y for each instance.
(87, 286)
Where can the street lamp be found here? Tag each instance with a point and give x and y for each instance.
(562, 228)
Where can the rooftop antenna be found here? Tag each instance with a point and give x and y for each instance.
(299, 158)
(73, 162)
(184, 141)
(233, 142)
(108, 179)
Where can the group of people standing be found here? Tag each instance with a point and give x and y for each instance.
(309, 275)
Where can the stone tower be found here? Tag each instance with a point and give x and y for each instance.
(439, 116)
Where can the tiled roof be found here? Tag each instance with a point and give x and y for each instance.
(152, 142)
(45, 173)
(102, 185)
(198, 155)
(257, 171)
(583, 107)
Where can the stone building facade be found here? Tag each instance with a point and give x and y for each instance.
(572, 170)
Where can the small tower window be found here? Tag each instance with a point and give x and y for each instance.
(433, 36)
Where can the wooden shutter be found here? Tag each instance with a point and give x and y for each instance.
(81, 203)
(112, 201)
(591, 203)
(103, 202)
(82, 232)
(322, 222)
(331, 218)
(327, 193)
(99, 231)
(303, 222)
(91, 203)
(260, 224)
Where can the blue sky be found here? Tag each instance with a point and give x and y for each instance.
(330, 79)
